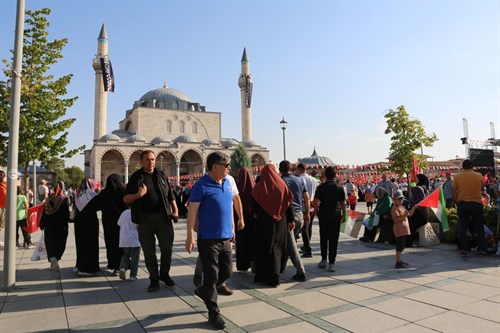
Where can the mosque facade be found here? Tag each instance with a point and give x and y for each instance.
(180, 131)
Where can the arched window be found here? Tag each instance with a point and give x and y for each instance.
(194, 128)
(168, 126)
(182, 127)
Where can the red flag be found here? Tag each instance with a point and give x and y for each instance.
(33, 218)
(415, 169)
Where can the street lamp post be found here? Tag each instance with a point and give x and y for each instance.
(202, 148)
(161, 162)
(283, 124)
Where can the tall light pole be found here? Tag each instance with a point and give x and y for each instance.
(161, 162)
(283, 124)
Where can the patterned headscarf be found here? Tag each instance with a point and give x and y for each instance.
(55, 199)
(85, 193)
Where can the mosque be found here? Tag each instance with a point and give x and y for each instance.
(180, 131)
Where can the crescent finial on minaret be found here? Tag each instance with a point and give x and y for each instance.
(103, 34)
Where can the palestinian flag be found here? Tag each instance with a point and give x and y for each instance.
(435, 201)
(352, 226)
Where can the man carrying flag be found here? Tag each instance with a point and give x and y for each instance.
(466, 188)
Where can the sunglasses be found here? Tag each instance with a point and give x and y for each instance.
(225, 165)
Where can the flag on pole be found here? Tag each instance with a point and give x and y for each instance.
(352, 226)
(107, 75)
(435, 201)
(415, 169)
(33, 218)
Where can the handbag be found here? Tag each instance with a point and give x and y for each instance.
(39, 252)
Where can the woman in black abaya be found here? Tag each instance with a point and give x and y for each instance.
(112, 205)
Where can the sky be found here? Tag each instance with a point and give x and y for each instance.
(330, 68)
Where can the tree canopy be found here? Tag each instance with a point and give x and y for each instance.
(408, 135)
(240, 158)
(43, 128)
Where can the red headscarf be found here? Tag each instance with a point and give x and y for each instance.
(271, 193)
(245, 184)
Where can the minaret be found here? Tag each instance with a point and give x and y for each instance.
(246, 84)
(101, 96)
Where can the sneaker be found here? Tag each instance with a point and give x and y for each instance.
(330, 268)
(84, 273)
(299, 277)
(29, 246)
(133, 278)
(123, 274)
(197, 280)
(322, 264)
(217, 322)
(168, 281)
(224, 290)
(54, 265)
(405, 263)
(400, 265)
(154, 286)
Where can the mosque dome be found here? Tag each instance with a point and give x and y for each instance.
(161, 139)
(316, 159)
(136, 138)
(250, 143)
(229, 142)
(109, 137)
(184, 138)
(165, 93)
(121, 133)
(209, 142)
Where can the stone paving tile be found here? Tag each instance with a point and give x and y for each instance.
(411, 328)
(471, 289)
(188, 321)
(458, 322)
(30, 306)
(260, 312)
(51, 320)
(420, 279)
(158, 305)
(495, 299)
(442, 298)
(483, 309)
(351, 292)
(99, 316)
(294, 328)
(312, 301)
(406, 309)
(486, 279)
(388, 286)
(364, 320)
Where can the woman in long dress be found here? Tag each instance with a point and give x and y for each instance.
(87, 228)
(245, 237)
(271, 205)
(54, 223)
(112, 205)
(420, 216)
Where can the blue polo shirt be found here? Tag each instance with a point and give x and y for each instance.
(215, 215)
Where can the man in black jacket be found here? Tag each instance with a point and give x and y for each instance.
(153, 208)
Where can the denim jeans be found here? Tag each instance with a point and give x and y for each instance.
(474, 211)
(130, 259)
(292, 251)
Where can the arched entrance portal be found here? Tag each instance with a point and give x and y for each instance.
(111, 162)
(134, 162)
(191, 163)
(165, 162)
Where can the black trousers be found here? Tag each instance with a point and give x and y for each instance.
(474, 211)
(329, 231)
(159, 225)
(216, 259)
(307, 233)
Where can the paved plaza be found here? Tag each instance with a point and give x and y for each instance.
(440, 292)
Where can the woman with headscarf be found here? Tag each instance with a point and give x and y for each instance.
(271, 204)
(54, 223)
(420, 216)
(383, 210)
(87, 228)
(245, 237)
(112, 205)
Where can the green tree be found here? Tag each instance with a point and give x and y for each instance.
(71, 176)
(55, 164)
(240, 159)
(408, 135)
(43, 131)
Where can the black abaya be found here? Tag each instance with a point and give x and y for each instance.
(55, 227)
(87, 237)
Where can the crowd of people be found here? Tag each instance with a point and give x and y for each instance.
(266, 217)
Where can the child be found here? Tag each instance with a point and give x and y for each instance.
(369, 199)
(352, 200)
(401, 226)
(129, 241)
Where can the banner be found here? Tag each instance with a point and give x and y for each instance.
(107, 75)
(248, 91)
(33, 218)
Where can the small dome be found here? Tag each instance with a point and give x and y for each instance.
(136, 138)
(209, 142)
(161, 139)
(122, 133)
(316, 159)
(250, 143)
(184, 138)
(229, 142)
(109, 137)
(165, 93)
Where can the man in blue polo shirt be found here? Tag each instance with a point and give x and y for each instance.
(211, 201)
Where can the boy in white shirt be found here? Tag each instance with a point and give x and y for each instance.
(129, 241)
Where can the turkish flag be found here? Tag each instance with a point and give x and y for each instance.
(33, 218)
